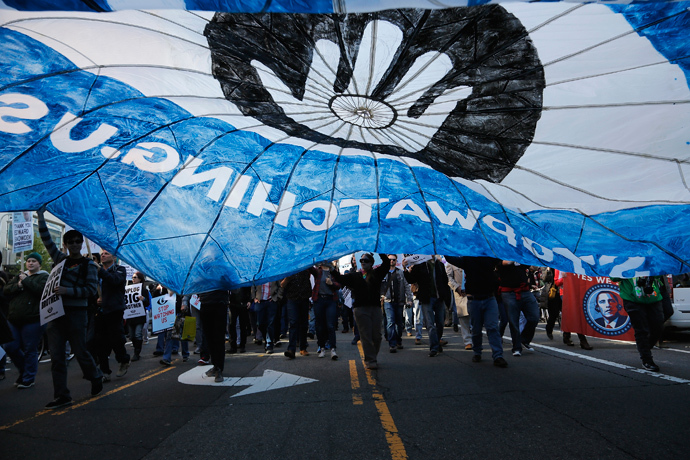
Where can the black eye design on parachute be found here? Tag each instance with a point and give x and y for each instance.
(458, 89)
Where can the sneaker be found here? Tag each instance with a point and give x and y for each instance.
(219, 377)
(231, 351)
(62, 401)
(243, 350)
(25, 385)
(166, 362)
(500, 362)
(372, 365)
(258, 342)
(455, 328)
(399, 346)
(417, 341)
(123, 369)
(650, 366)
(517, 353)
(106, 378)
(318, 349)
(393, 350)
(157, 353)
(269, 350)
(354, 341)
(433, 353)
(345, 330)
(197, 351)
(69, 356)
(185, 359)
(211, 372)
(410, 334)
(334, 355)
(443, 342)
(477, 358)
(526, 346)
(174, 352)
(322, 353)
(204, 360)
(136, 357)
(278, 344)
(304, 353)
(468, 346)
(310, 335)
(96, 386)
(289, 354)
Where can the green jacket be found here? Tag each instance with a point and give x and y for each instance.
(25, 300)
(630, 292)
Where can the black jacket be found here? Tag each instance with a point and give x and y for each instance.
(113, 282)
(366, 292)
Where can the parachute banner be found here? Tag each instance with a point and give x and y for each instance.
(219, 149)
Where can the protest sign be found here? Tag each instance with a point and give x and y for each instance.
(133, 306)
(592, 306)
(195, 302)
(163, 313)
(51, 303)
(414, 259)
(22, 231)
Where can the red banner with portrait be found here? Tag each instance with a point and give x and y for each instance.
(592, 306)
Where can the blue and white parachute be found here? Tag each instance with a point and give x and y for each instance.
(225, 143)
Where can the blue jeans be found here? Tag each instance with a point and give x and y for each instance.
(528, 305)
(418, 319)
(24, 348)
(70, 327)
(171, 343)
(394, 323)
(484, 313)
(434, 313)
(265, 316)
(326, 318)
(298, 316)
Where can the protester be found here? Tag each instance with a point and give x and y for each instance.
(79, 281)
(396, 293)
(136, 324)
(325, 298)
(298, 290)
(240, 302)
(433, 293)
(366, 290)
(214, 314)
(518, 298)
(642, 301)
(480, 287)
(266, 297)
(109, 327)
(24, 319)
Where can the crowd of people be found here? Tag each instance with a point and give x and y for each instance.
(376, 302)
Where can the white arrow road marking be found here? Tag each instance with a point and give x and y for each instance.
(271, 380)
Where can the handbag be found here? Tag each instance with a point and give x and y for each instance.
(553, 291)
(189, 329)
(177, 328)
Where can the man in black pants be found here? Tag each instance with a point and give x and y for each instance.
(214, 314)
(240, 301)
(109, 332)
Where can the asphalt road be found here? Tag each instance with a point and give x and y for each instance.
(557, 402)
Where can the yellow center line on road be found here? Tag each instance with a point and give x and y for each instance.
(354, 381)
(91, 399)
(395, 444)
(103, 395)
